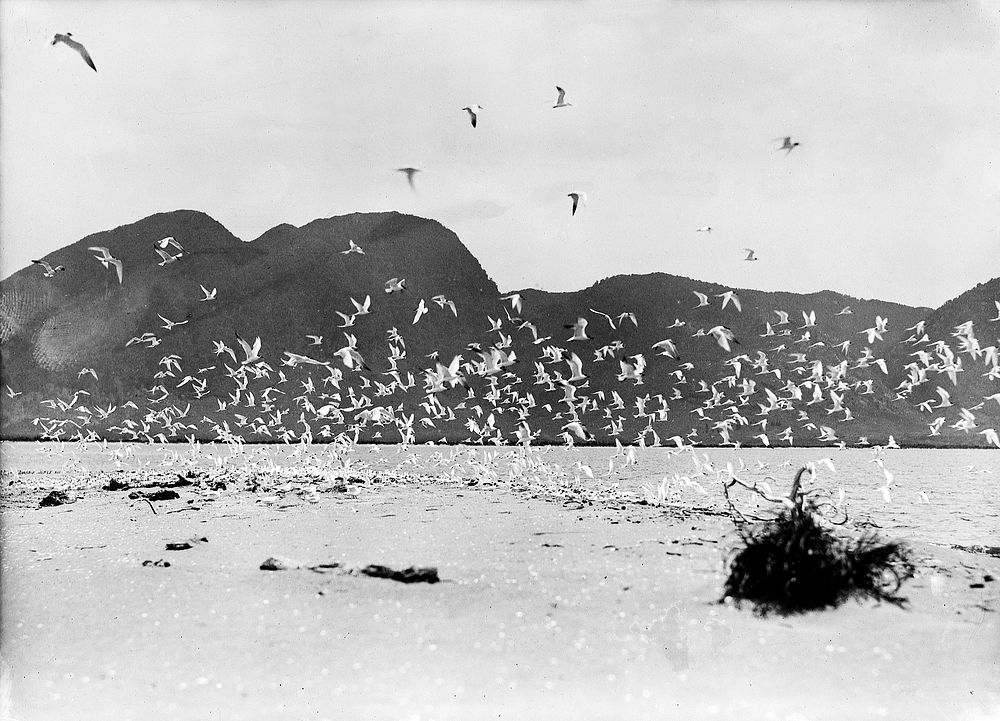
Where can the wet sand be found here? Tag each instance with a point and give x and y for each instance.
(546, 610)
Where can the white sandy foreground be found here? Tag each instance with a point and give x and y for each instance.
(545, 611)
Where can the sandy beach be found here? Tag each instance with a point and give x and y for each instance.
(462, 361)
(545, 609)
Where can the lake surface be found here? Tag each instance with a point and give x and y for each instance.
(937, 496)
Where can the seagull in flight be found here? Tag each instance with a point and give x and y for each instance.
(252, 352)
(628, 315)
(561, 100)
(515, 301)
(702, 299)
(170, 324)
(108, 260)
(353, 248)
(209, 294)
(473, 111)
(350, 357)
(295, 359)
(169, 242)
(47, 270)
(667, 348)
(722, 336)
(579, 330)
(730, 297)
(577, 197)
(420, 311)
(410, 172)
(67, 40)
(750, 254)
(991, 436)
(166, 258)
(362, 308)
(787, 144)
(706, 229)
(579, 430)
(611, 321)
(395, 284)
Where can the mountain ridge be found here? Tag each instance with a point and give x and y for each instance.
(287, 283)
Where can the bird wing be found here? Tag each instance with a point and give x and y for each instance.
(77, 46)
(409, 175)
(87, 59)
(243, 344)
(562, 94)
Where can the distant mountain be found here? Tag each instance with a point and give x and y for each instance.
(289, 282)
(975, 376)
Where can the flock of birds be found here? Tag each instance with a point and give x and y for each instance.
(498, 394)
(351, 394)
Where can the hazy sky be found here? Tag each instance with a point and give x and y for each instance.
(260, 113)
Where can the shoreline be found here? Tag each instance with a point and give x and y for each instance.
(544, 611)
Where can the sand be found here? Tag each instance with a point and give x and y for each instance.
(546, 610)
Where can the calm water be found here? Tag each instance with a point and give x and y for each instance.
(962, 487)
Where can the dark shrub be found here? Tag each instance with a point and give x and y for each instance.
(792, 564)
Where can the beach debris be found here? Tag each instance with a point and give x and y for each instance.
(159, 563)
(976, 548)
(185, 545)
(161, 495)
(125, 481)
(795, 562)
(412, 574)
(278, 564)
(56, 498)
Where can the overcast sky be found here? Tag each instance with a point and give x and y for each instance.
(260, 113)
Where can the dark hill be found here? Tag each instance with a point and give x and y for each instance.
(289, 282)
(967, 326)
